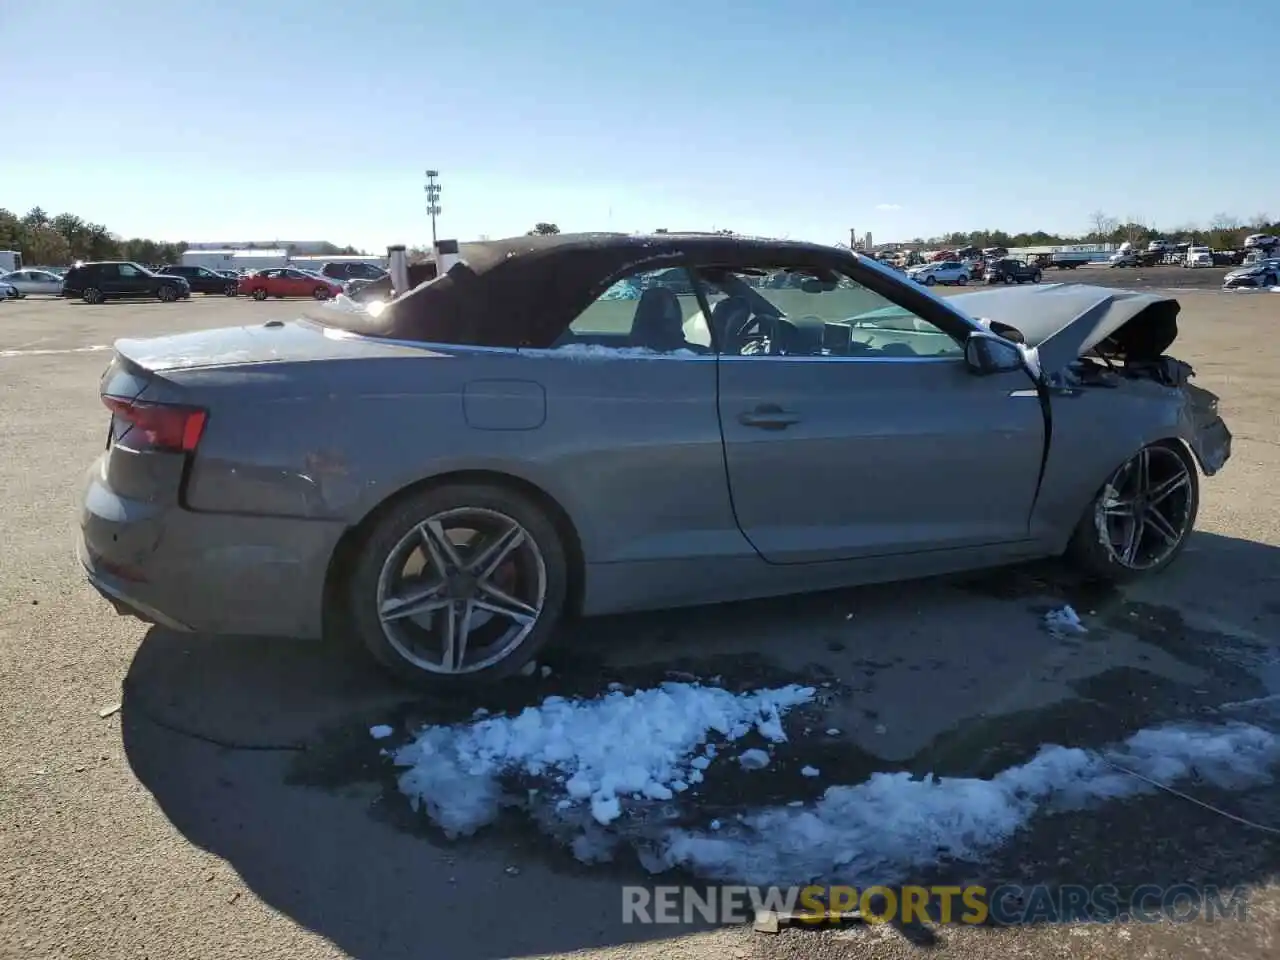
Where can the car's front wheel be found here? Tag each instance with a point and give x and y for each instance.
(167, 294)
(260, 294)
(929, 281)
(1269, 280)
(1141, 519)
(1035, 277)
(230, 290)
(320, 293)
(458, 584)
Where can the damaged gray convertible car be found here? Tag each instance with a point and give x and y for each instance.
(577, 425)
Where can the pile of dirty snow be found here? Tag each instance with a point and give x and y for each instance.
(592, 761)
(650, 744)
(893, 822)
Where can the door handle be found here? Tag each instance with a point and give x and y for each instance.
(768, 417)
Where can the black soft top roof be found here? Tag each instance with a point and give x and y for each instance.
(525, 291)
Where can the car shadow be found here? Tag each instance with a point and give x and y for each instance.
(259, 750)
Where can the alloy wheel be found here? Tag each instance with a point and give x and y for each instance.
(1146, 510)
(461, 591)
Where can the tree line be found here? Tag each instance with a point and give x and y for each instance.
(66, 238)
(1223, 232)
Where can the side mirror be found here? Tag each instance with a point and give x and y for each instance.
(986, 353)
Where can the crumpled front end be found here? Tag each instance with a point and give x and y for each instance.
(1204, 430)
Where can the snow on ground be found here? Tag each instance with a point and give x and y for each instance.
(649, 744)
(600, 765)
(882, 828)
(1064, 622)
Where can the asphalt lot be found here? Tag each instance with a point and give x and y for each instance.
(235, 808)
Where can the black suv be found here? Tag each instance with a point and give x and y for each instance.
(1010, 270)
(342, 271)
(202, 279)
(119, 280)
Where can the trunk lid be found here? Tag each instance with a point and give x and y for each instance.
(1065, 321)
(272, 342)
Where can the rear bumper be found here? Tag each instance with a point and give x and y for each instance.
(211, 573)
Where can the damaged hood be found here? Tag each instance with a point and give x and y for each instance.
(1065, 321)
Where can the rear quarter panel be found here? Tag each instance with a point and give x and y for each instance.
(630, 448)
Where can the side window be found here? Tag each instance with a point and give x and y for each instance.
(781, 312)
(271, 274)
(648, 310)
(128, 270)
(202, 272)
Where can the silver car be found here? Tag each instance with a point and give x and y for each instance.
(31, 281)
(587, 424)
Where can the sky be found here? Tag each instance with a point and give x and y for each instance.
(806, 118)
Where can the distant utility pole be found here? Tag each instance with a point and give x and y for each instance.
(433, 202)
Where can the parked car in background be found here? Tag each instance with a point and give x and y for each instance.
(287, 282)
(342, 271)
(1261, 241)
(456, 519)
(1013, 270)
(948, 271)
(202, 279)
(121, 280)
(1260, 273)
(1198, 257)
(33, 281)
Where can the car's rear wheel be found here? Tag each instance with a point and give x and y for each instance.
(458, 585)
(1140, 520)
(91, 295)
(167, 294)
(320, 293)
(260, 294)
(1269, 280)
(961, 280)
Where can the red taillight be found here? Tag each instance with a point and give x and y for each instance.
(162, 427)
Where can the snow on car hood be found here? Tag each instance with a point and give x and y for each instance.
(1064, 321)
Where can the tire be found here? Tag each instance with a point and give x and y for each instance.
(230, 290)
(962, 280)
(320, 293)
(91, 295)
(1269, 280)
(1092, 549)
(260, 294)
(1035, 277)
(167, 294)
(536, 567)
(929, 281)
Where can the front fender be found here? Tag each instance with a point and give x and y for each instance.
(1095, 429)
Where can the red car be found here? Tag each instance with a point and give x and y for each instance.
(287, 282)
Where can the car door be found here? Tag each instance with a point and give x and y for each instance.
(131, 281)
(108, 278)
(206, 281)
(297, 284)
(272, 282)
(861, 432)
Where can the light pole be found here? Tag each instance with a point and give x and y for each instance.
(433, 202)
